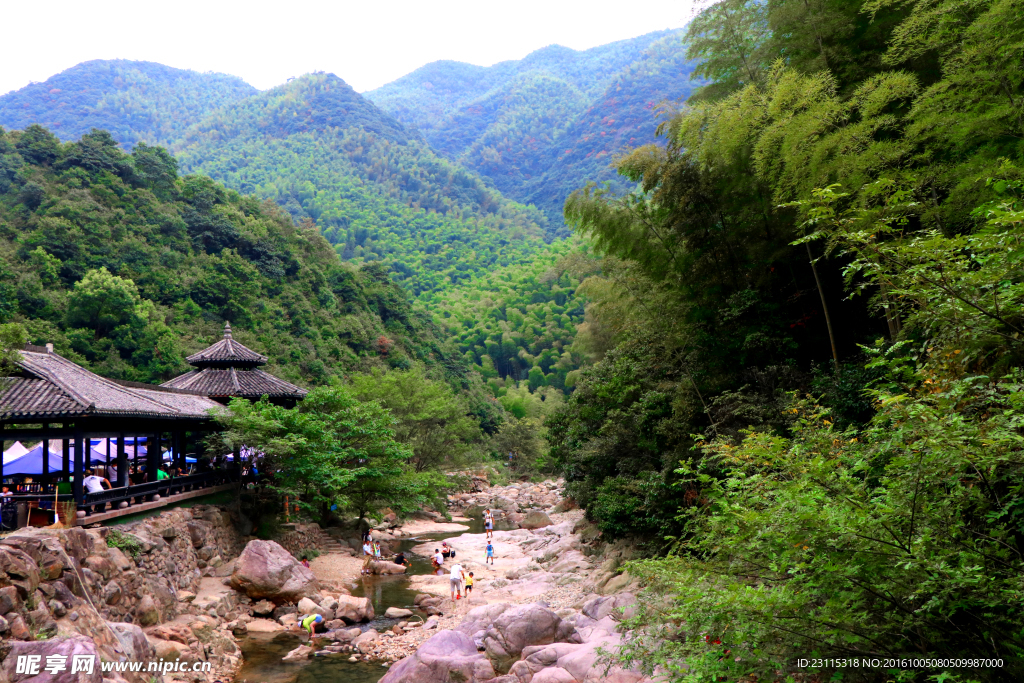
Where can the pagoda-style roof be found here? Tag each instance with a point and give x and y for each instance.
(229, 369)
(48, 386)
(227, 353)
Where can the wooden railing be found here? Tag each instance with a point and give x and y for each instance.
(134, 494)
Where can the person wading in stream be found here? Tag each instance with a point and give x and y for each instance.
(456, 582)
(437, 562)
(310, 622)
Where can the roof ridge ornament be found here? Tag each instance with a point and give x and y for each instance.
(227, 330)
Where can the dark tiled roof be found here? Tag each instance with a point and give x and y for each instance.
(51, 386)
(227, 352)
(224, 382)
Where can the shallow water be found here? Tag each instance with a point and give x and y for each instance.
(262, 654)
(263, 664)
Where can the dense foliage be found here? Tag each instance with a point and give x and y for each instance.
(540, 126)
(128, 267)
(133, 101)
(807, 331)
(517, 323)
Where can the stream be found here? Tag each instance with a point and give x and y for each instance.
(262, 655)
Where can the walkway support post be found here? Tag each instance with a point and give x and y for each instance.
(79, 469)
(122, 462)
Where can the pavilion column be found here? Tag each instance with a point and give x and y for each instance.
(46, 456)
(122, 462)
(3, 446)
(79, 468)
(179, 450)
(153, 458)
(65, 469)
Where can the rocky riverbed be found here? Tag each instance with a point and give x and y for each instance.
(186, 586)
(540, 614)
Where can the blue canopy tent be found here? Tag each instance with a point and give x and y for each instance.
(32, 462)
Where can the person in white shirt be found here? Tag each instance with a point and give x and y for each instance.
(456, 582)
(367, 554)
(94, 484)
(438, 561)
(5, 492)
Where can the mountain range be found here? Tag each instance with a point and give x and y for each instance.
(453, 176)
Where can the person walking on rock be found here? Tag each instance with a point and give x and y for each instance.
(490, 553)
(456, 581)
(469, 584)
(488, 523)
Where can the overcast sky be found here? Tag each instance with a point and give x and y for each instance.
(366, 43)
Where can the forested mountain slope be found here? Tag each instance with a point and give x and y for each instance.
(807, 325)
(128, 268)
(539, 127)
(133, 101)
(375, 191)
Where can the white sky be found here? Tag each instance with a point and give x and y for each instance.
(366, 43)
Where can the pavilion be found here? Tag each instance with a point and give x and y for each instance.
(228, 369)
(69, 410)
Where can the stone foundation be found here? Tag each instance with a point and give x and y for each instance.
(297, 536)
(59, 584)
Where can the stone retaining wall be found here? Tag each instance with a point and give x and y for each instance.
(49, 578)
(297, 537)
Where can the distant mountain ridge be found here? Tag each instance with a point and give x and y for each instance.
(543, 126)
(133, 101)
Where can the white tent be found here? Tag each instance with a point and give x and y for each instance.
(14, 452)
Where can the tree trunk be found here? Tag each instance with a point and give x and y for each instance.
(824, 306)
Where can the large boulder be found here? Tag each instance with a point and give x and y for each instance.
(386, 568)
(353, 610)
(621, 606)
(523, 626)
(535, 520)
(446, 656)
(133, 641)
(266, 570)
(479, 619)
(66, 647)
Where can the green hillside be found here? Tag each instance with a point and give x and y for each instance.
(540, 127)
(134, 101)
(518, 323)
(376, 192)
(128, 268)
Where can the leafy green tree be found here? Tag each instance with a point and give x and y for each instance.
(520, 443)
(104, 302)
(430, 418)
(331, 450)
